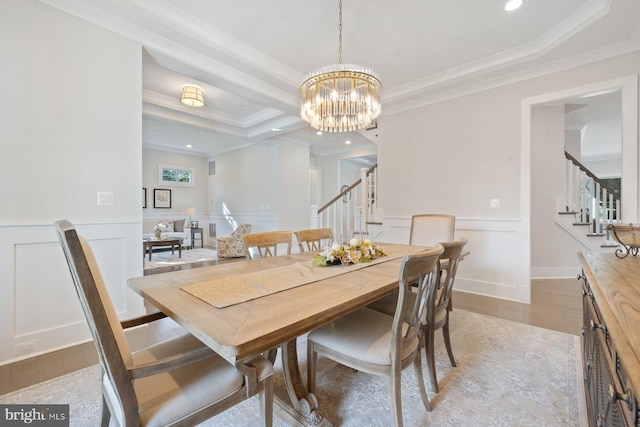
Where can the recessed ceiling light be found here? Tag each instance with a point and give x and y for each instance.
(512, 5)
(276, 129)
(319, 132)
(188, 145)
(347, 142)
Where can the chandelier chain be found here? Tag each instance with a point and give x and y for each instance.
(340, 33)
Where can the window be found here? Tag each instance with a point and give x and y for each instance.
(177, 175)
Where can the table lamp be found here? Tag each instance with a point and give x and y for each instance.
(190, 212)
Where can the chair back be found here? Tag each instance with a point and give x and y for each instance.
(241, 230)
(108, 335)
(266, 243)
(311, 240)
(429, 229)
(447, 268)
(412, 305)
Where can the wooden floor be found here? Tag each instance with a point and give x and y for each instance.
(555, 304)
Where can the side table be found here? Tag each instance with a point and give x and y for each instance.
(195, 231)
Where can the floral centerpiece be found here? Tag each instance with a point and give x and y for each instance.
(158, 229)
(356, 251)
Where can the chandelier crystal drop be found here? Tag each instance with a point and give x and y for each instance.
(340, 97)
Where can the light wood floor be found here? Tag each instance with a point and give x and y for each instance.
(556, 304)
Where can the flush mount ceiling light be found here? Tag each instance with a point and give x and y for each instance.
(512, 5)
(340, 97)
(192, 95)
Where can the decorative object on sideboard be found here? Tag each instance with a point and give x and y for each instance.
(192, 95)
(340, 97)
(161, 198)
(628, 236)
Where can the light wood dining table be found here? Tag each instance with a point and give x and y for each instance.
(242, 330)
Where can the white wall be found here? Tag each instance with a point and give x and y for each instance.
(265, 185)
(293, 186)
(547, 183)
(181, 197)
(70, 126)
(455, 155)
(572, 143)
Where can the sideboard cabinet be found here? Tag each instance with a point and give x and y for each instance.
(611, 338)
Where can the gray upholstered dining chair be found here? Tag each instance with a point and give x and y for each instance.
(375, 343)
(437, 316)
(429, 229)
(176, 382)
(313, 239)
(265, 244)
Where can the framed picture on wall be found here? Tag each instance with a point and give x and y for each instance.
(161, 198)
(144, 198)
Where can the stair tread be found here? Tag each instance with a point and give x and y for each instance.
(596, 234)
(581, 223)
(567, 213)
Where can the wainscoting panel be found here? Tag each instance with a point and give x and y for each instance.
(491, 268)
(43, 285)
(39, 309)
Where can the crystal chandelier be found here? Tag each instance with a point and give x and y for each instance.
(340, 97)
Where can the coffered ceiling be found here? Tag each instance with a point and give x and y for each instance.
(250, 56)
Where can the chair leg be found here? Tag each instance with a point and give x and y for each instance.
(106, 415)
(266, 402)
(417, 363)
(447, 340)
(396, 397)
(431, 357)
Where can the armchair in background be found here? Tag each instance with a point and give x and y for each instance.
(233, 246)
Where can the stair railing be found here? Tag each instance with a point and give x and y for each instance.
(345, 214)
(593, 201)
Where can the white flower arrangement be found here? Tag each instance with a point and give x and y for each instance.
(356, 251)
(160, 228)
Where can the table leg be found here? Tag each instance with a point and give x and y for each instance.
(305, 404)
(150, 249)
(179, 250)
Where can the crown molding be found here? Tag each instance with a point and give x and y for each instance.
(418, 101)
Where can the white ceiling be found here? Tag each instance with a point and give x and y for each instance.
(251, 55)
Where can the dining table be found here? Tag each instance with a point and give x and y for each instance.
(244, 308)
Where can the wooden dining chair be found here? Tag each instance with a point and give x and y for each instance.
(438, 314)
(177, 382)
(429, 229)
(265, 244)
(312, 240)
(375, 343)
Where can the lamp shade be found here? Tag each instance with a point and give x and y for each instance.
(190, 211)
(192, 95)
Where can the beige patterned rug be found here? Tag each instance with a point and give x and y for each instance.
(508, 374)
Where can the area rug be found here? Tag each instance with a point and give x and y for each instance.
(165, 258)
(508, 374)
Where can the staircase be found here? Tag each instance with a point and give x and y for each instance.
(350, 213)
(589, 207)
